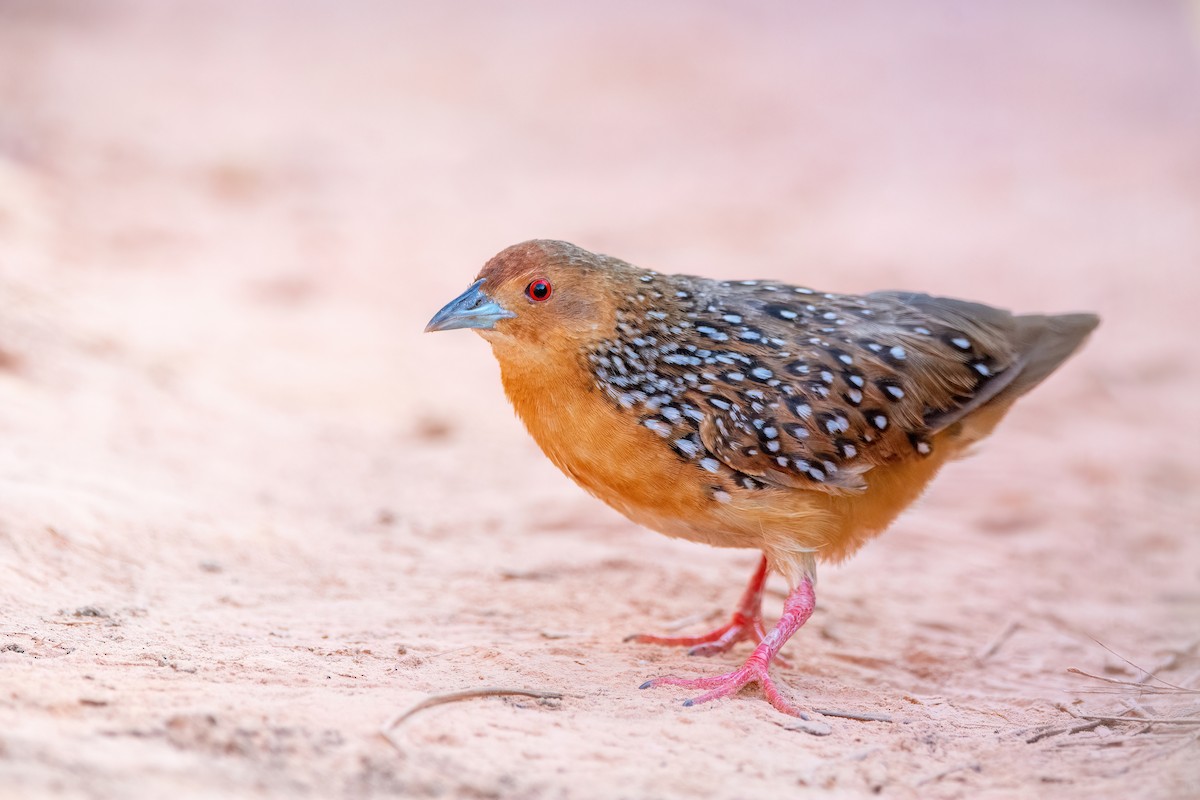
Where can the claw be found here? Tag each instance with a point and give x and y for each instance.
(753, 671)
(796, 610)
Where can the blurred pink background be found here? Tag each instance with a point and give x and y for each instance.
(224, 224)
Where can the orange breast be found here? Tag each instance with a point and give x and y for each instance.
(610, 455)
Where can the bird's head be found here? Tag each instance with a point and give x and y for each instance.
(538, 295)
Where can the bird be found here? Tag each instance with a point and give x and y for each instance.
(749, 413)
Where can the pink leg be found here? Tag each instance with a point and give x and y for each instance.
(747, 623)
(796, 610)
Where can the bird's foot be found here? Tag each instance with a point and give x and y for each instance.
(753, 671)
(739, 629)
(746, 624)
(797, 608)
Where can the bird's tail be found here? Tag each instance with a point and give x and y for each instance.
(1044, 342)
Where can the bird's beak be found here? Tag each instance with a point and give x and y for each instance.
(471, 309)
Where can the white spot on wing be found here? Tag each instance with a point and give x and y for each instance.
(658, 426)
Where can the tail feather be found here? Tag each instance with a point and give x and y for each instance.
(1039, 344)
(1045, 342)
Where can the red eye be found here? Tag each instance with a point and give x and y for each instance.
(539, 290)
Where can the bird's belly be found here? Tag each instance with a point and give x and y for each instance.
(636, 472)
(672, 497)
(644, 480)
(628, 466)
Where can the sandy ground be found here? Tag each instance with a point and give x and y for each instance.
(248, 512)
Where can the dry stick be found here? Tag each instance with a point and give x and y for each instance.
(1134, 707)
(1148, 675)
(1140, 686)
(828, 712)
(454, 697)
(1142, 720)
(998, 641)
(1046, 734)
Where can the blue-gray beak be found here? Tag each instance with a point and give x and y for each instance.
(471, 309)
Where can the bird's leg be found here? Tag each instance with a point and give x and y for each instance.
(747, 623)
(797, 608)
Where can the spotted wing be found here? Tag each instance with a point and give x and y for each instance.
(825, 387)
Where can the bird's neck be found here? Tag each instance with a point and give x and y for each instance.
(555, 395)
(541, 382)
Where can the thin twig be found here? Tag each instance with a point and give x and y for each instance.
(998, 640)
(862, 717)
(1187, 721)
(1139, 685)
(454, 697)
(1070, 729)
(1143, 720)
(1148, 675)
